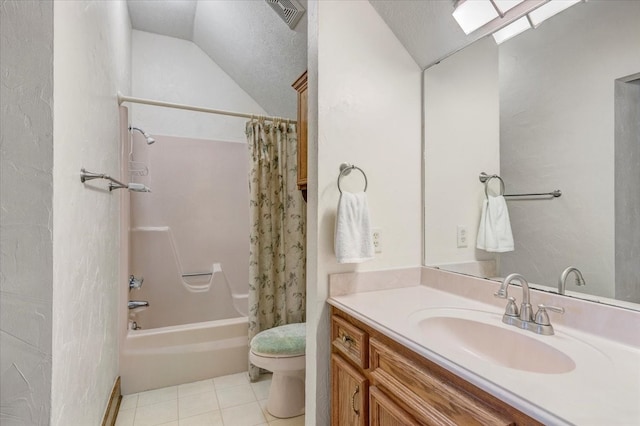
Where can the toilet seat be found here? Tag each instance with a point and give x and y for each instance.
(283, 341)
(281, 350)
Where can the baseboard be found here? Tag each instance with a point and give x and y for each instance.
(113, 405)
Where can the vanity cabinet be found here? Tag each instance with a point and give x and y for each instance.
(300, 85)
(349, 394)
(377, 381)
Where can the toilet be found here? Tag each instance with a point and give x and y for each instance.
(281, 350)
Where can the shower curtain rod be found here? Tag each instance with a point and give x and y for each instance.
(122, 98)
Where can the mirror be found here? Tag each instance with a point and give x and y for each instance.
(557, 107)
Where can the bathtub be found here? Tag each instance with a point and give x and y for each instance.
(167, 356)
(195, 328)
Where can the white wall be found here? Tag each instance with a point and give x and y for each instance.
(175, 70)
(91, 63)
(461, 140)
(368, 114)
(26, 147)
(557, 132)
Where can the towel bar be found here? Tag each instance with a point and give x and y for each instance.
(485, 178)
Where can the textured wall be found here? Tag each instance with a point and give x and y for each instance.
(91, 63)
(26, 197)
(368, 114)
(174, 70)
(462, 139)
(557, 131)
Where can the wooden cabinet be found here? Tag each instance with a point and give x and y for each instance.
(300, 86)
(385, 412)
(349, 398)
(404, 387)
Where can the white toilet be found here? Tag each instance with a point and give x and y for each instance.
(281, 350)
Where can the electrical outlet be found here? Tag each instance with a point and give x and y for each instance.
(377, 240)
(462, 236)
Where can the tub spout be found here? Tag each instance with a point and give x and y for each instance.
(133, 304)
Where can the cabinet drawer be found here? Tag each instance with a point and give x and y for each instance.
(432, 400)
(351, 341)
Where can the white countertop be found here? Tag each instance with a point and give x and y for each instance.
(603, 389)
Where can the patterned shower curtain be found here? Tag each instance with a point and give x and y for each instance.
(277, 258)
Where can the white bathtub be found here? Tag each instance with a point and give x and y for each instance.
(167, 356)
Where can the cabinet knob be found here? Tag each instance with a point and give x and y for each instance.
(353, 400)
(347, 340)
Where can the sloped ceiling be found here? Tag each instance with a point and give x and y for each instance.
(173, 18)
(250, 42)
(246, 39)
(425, 28)
(259, 51)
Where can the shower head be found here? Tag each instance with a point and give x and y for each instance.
(146, 135)
(138, 187)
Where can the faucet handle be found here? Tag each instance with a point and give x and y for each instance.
(542, 317)
(502, 294)
(135, 283)
(512, 308)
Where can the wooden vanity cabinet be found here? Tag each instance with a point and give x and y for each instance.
(404, 388)
(349, 394)
(300, 85)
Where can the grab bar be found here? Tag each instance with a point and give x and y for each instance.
(197, 274)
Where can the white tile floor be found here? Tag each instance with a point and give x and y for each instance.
(223, 401)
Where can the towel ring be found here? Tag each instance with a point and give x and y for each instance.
(485, 178)
(345, 169)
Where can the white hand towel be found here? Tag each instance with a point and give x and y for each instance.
(494, 232)
(353, 240)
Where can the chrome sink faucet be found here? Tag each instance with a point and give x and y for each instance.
(525, 319)
(562, 282)
(525, 308)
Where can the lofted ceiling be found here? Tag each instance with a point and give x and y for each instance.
(264, 56)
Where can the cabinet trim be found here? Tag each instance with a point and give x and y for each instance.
(414, 385)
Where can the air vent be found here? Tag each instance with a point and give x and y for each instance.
(290, 11)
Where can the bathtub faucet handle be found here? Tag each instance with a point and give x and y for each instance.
(135, 283)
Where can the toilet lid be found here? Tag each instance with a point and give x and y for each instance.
(286, 340)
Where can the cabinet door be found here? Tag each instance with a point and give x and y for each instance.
(385, 412)
(300, 85)
(349, 394)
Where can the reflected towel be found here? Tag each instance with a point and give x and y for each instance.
(494, 232)
(353, 240)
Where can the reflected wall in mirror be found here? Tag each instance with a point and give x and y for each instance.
(557, 107)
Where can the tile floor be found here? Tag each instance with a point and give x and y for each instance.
(223, 401)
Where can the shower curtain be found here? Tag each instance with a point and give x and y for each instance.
(277, 258)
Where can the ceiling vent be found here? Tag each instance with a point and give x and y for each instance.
(290, 11)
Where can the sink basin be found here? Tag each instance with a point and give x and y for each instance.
(454, 336)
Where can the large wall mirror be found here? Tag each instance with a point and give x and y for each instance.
(557, 107)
